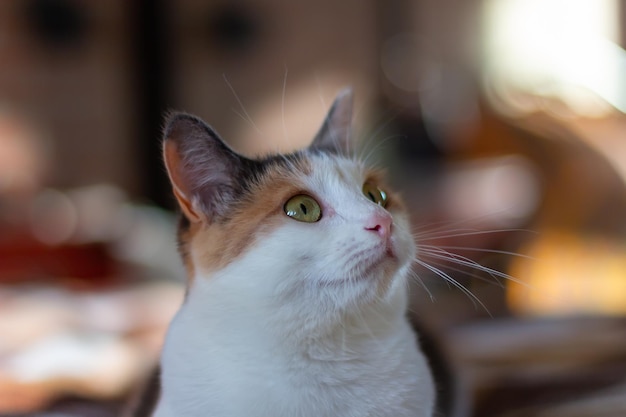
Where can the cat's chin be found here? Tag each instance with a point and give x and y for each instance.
(386, 264)
(376, 278)
(374, 273)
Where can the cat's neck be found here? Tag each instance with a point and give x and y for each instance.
(265, 318)
(370, 350)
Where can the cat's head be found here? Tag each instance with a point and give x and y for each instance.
(315, 227)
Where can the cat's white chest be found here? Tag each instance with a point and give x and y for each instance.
(248, 372)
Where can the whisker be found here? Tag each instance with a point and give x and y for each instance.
(465, 232)
(244, 118)
(442, 254)
(440, 225)
(436, 233)
(475, 301)
(485, 250)
(241, 104)
(369, 140)
(445, 225)
(282, 104)
(468, 273)
(380, 144)
(422, 284)
(319, 90)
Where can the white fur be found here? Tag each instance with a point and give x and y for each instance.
(294, 328)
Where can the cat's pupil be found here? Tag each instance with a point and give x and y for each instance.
(371, 196)
(303, 208)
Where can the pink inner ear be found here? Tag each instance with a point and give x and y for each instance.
(174, 166)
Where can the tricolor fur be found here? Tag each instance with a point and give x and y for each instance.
(285, 318)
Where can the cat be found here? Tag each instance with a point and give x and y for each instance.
(298, 266)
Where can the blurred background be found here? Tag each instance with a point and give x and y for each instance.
(502, 122)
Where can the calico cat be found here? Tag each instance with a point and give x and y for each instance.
(297, 283)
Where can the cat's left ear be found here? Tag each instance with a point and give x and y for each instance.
(336, 132)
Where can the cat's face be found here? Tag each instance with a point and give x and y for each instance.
(310, 228)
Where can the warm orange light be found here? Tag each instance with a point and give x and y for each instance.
(570, 275)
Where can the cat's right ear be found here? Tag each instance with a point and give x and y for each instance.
(203, 170)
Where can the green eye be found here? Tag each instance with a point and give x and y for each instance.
(375, 194)
(303, 208)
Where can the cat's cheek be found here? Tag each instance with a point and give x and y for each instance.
(403, 243)
(405, 248)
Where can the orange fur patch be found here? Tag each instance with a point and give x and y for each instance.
(214, 245)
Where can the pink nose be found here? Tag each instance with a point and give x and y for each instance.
(380, 223)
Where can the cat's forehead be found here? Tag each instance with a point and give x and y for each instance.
(313, 172)
(331, 169)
